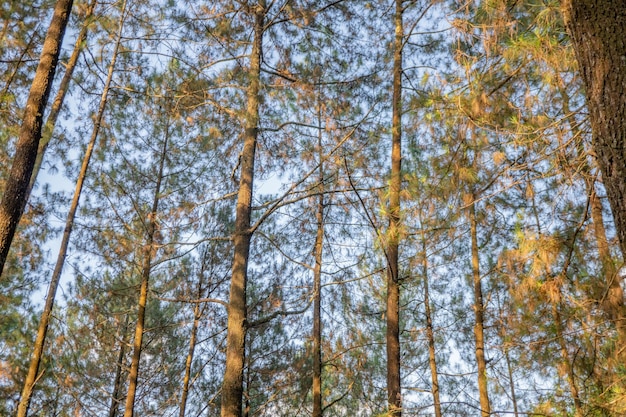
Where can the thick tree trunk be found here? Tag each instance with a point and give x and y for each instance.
(232, 388)
(40, 341)
(146, 270)
(55, 109)
(479, 328)
(14, 197)
(394, 395)
(597, 29)
(611, 298)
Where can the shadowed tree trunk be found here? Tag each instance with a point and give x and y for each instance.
(40, 340)
(232, 387)
(55, 109)
(597, 29)
(14, 197)
(612, 297)
(317, 280)
(394, 395)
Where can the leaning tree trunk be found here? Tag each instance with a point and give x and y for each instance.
(394, 395)
(40, 340)
(14, 197)
(55, 109)
(232, 387)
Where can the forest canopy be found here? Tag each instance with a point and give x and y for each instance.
(312, 208)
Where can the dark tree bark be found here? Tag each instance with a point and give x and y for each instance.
(394, 395)
(232, 387)
(14, 197)
(40, 340)
(597, 30)
(55, 109)
(317, 280)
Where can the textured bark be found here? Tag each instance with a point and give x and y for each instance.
(479, 327)
(317, 283)
(40, 340)
(146, 270)
(611, 298)
(597, 29)
(394, 395)
(232, 387)
(14, 197)
(55, 109)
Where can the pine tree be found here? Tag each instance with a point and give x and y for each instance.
(14, 196)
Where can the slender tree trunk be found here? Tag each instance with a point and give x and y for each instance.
(119, 368)
(232, 388)
(55, 109)
(502, 328)
(40, 341)
(197, 314)
(317, 282)
(14, 197)
(479, 316)
(394, 394)
(509, 369)
(597, 29)
(566, 360)
(430, 334)
(149, 252)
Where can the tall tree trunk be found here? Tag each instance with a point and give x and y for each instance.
(14, 197)
(146, 270)
(479, 327)
(232, 388)
(119, 368)
(430, 334)
(40, 341)
(394, 394)
(317, 281)
(502, 329)
(55, 109)
(197, 314)
(597, 28)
